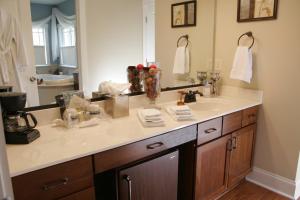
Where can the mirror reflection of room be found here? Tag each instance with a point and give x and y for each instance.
(54, 42)
(110, 37)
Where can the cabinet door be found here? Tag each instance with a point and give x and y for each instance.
(152, 180)
(211, 169)
(241, 154)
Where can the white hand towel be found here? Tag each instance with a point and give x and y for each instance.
(150, 113)
(242, 65)
(146, 123)
(180, 117)
(180, 109)
(182, 61)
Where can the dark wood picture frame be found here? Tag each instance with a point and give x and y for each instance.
(251, 11)
(189, 16)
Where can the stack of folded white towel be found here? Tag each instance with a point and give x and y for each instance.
(180, 113)
(151, 117)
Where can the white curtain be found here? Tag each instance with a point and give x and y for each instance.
(64, 20)
(41, 23)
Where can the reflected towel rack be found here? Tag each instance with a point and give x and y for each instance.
(186, 37)
(250, 35)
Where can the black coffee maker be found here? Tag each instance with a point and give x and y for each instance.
(18, 125)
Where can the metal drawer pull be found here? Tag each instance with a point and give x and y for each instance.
(234, 143)
(56, 184)
(229, 145)
(251, 115)
(128, 179)
(210, 130)
(155, 145)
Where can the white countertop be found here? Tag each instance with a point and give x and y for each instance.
(58, 145)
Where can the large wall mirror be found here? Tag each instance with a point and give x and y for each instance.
(78, 44)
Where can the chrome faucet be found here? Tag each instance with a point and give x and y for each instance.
(215, 77)
(189, 96)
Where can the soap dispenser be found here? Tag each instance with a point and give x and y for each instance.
(207, 89)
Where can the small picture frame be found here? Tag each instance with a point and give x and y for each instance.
(256, 10)
(184, 14)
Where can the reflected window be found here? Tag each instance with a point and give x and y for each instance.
(38, 36)
(68, 37)
(67, 43)
(40, 45)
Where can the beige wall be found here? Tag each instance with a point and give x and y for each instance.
(276, 72)
(201, 38)
(113, 40)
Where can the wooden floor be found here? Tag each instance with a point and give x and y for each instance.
(249, 191)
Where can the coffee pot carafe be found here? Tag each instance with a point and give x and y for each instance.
(18, 124)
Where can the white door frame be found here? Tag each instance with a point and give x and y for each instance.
(6, 191)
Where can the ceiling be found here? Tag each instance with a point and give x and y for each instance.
(47, 2)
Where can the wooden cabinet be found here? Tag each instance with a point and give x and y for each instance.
(223, 163)
(223, 151)
(129, 153)
(88, 194)
(241, 154)
(249, 116)
(156, 179)
(55, 182)
(232, 122)
(212, 162)
(209, 130)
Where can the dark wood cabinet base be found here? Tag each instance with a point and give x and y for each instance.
(199, 162)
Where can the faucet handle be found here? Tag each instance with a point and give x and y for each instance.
(197, 92)
(181, 100)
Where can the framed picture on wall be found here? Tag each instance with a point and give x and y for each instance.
(256, 10)
(184, 14)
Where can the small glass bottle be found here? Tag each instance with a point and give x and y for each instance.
(207, 89)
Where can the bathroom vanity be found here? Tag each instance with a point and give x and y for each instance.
(120, 159)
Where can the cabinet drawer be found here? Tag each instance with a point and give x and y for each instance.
(120, 156)
(56, 181)
(249, 116)
(209, 130)
(232, 122)
(88, 194)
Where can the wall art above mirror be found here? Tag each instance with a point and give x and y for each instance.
(184, 14)
(256, 10)
(76, 45)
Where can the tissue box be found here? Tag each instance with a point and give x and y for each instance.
(117, 106)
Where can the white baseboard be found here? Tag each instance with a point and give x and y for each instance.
(297, 190)
(273, 182)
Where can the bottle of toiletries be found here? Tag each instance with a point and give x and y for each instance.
(207, 89)
(94, 111)
(71, 117)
